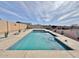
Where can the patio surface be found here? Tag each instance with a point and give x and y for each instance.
(9, 41)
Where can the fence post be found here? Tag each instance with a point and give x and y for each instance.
(19, 28)
(6, 33)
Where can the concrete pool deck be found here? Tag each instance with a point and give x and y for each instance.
(9, 41)
(70, 42)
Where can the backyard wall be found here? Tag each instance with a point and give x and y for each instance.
(71, 33)
(10, 27)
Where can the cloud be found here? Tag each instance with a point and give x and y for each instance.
(40, 12)
(70, 14)
(10, 12)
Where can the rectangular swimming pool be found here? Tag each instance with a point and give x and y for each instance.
(39, 40)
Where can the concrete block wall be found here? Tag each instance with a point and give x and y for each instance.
(10, 26)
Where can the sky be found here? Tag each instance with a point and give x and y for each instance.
(41, 12)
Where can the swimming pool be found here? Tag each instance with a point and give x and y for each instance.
(39, 40)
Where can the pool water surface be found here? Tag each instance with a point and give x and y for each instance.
(38, 40)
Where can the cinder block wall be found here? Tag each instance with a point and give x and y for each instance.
(3, 26)
(11, 26)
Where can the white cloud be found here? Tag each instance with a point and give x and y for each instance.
(10, 12)
(45, 11)
(57, 4)
(70, 14)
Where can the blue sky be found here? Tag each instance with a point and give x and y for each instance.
(41, 12)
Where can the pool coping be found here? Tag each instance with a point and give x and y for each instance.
(39, 54)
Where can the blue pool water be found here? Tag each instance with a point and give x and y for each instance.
(38, 40)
